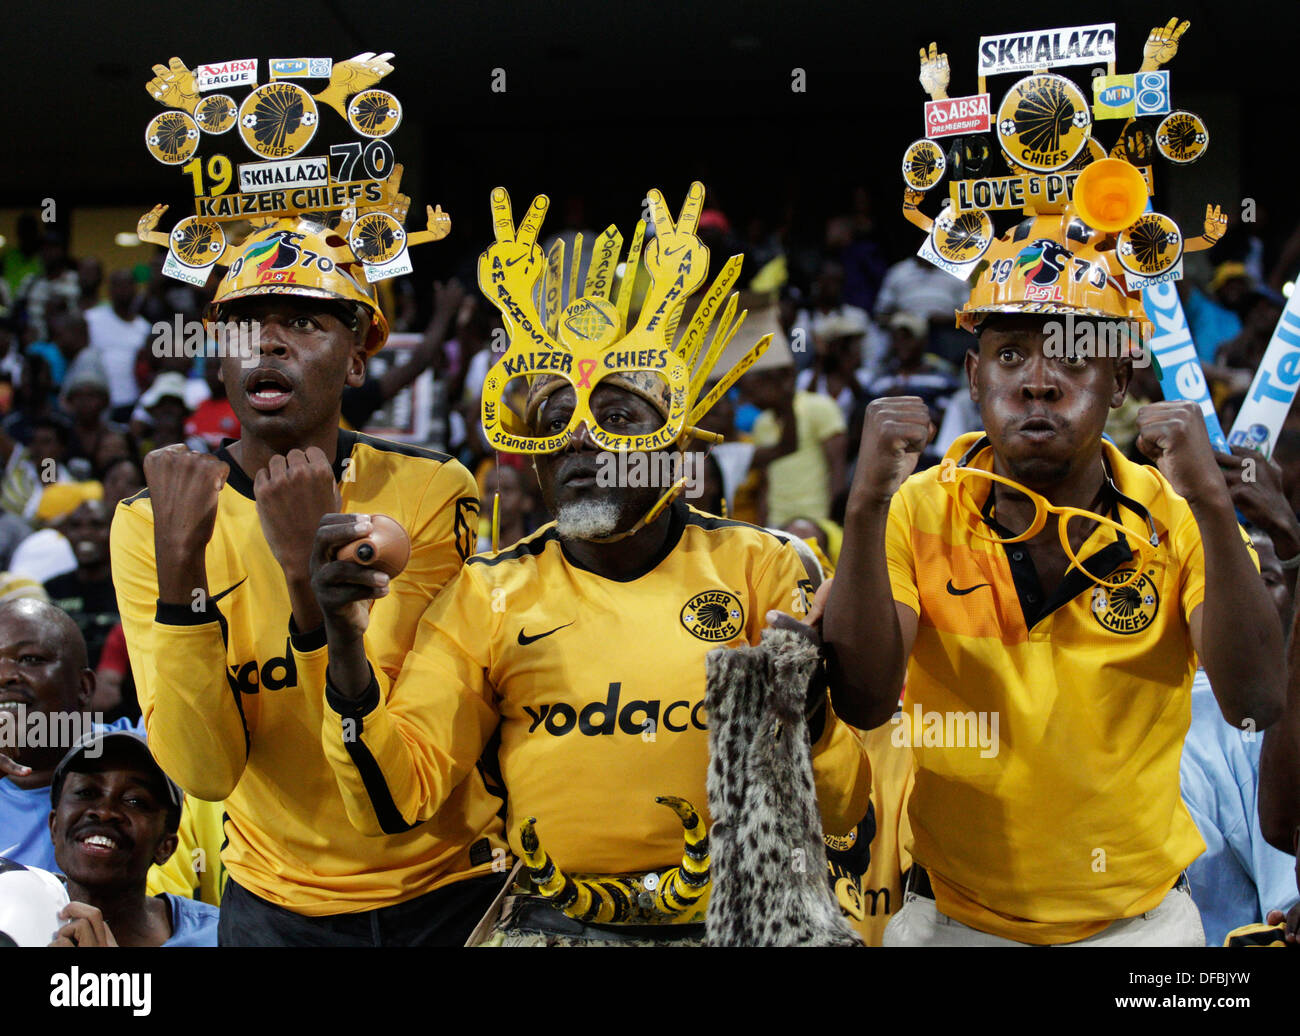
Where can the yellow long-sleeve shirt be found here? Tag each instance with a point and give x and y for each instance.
(597, 686)
(232, 698)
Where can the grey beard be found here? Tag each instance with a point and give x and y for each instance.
(588, 519)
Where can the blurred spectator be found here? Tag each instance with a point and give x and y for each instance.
(908, 372)
(826, 299)
(1261, 310)
(37, 465)
(163, 297)
(114, 444)
(851, 239)
(800, 442)
(47, 553)
(85, 400)
(116, 334)
(164, 402)
(22, 261)
(360, 402)
(915, 286)
(55, 290)
(68, 337)
(837, 358)
(507, 483)
(86, 593)
(1214, 317)
(33, 401)
(214, 419)
(90, 277)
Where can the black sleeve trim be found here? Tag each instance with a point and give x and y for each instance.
(185, 615)
(312, 640)
(372, 777)
(353, 708)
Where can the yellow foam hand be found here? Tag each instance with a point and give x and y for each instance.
(355, 74)
(665, 251)
(1162, 44)
(145, 231)
(510, 268)
(439, 227)
(173, 86)
(934, 72)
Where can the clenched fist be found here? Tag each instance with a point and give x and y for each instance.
(183, 489)
(1172, 433)
(894, 432)
(293, 493)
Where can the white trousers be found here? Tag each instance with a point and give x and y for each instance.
(1174, 922)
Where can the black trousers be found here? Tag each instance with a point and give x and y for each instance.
(444, 917)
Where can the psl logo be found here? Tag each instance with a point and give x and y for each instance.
(277, 252)
(1041, 262)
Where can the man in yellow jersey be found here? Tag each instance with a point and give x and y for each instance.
(225, 637)
(585, 643)
(1047, 598)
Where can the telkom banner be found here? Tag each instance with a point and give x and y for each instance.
(1260, 419)
(1181, 376)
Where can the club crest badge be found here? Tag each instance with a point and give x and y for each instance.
(923, 165)
(1126, 609)
(1182, 137)
(715, 615)
(376, 238)
(216, 113)
(1043, 122)
(374, 113)
(278, 120)
(1151, 246)
(172, 137)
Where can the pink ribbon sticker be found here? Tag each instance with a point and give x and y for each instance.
(586, 368)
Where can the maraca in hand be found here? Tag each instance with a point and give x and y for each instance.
(387, 548)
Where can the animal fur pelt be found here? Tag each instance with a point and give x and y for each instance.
(768, 858)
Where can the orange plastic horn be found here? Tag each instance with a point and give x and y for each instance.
(387, 548)
(1110, 195)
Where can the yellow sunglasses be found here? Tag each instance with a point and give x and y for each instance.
(958, 480)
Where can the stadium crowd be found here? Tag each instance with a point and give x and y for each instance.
(85, 395)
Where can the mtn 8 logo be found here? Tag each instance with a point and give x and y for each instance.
(1152, 93)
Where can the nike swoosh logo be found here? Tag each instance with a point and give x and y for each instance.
(511, 262)
(962, 593)
(673, 251)
(524, 640)
(230, 589)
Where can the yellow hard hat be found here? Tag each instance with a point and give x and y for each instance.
(299, 257)
(1064, 263)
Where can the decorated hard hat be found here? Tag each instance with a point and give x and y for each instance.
(1086, 242)
(323, 197)
(298, 257)
(583, 341)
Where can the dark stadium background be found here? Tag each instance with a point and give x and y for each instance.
(606, 99)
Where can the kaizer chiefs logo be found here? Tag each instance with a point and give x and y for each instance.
(1182, 137)
(714, 615)
(376, 238)
(962, 237)
(1150, 246)
(923, 165)
(1044, 122)
(172, 137)
(216, 113)
(197, 243)
(374, 113)
(277, 120)
(1126, 609)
